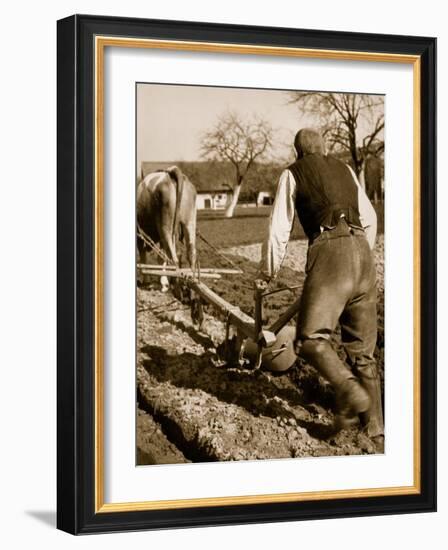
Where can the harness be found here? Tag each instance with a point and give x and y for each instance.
(175, 174)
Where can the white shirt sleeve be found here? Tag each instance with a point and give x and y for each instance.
(366, 212)
(280, 225)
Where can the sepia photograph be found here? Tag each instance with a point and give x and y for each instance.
(259, 274)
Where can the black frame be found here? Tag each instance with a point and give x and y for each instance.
(75, 172)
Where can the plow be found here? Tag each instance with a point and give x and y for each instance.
(248, 342)
(208, 358)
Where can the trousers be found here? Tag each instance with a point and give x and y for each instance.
(340, 287)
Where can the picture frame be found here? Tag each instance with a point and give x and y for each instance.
(82, 42)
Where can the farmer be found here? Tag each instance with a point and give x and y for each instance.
(340, 283)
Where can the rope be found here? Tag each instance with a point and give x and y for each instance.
(218, 252)
(162, 254)
(153, 245)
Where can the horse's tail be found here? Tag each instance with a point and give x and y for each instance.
(178, 177)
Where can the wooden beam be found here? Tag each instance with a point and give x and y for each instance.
(238, 318)
(178, 274)
(150, 267)
(284, 319)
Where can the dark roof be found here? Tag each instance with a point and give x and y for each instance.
(204, 175)
(210, 176)
(148, 167)
(213, 191)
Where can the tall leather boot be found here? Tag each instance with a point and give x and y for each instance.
(351, 397)
(372, 419)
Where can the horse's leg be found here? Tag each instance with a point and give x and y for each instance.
(142, 258)
(168, 246)
(189, 232)
(164, 283)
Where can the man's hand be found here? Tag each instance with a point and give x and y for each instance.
(261, 284)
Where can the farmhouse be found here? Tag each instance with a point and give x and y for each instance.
(212, 195)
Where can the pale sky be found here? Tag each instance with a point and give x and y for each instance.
(172, 118)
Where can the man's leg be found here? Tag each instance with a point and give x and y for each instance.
(359, 332)
(328, 287)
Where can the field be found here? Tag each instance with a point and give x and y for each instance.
(192, 407)
(249, 225)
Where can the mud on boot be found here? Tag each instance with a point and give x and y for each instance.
(351, 400)
(372, 420)
(378, 442)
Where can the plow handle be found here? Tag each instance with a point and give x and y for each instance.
(259, 288)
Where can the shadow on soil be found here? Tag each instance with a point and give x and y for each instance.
(201, 339)
(259, 392)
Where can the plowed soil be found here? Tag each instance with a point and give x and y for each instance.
(194, 407)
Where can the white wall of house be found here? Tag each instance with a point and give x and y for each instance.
(264, 198)
(214, 201)
(204, 200)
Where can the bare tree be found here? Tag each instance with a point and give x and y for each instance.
(240, 142)
(351, 123)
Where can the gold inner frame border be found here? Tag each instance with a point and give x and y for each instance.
(101, 42)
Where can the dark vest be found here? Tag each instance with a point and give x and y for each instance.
(325, 191)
